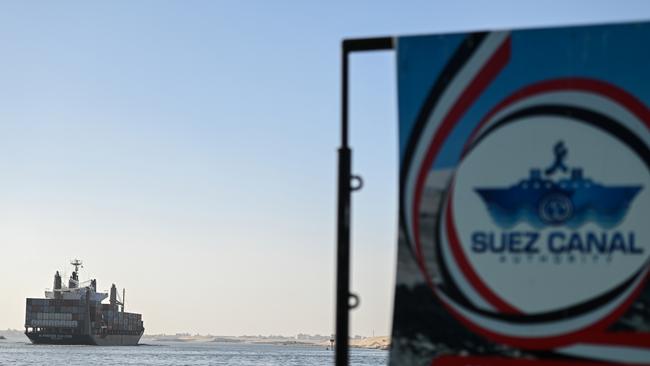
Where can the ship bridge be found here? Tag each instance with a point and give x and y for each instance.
(75, 290)
(76, 294)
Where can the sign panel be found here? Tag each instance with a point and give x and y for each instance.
(524, 198)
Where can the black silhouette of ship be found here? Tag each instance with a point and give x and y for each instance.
(572, 201)
(74, 315)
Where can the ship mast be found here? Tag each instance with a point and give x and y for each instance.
(77, 263)
(74, 279)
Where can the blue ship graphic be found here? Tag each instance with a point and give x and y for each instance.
(542, 201)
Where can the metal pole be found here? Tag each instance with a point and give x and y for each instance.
(344, 202)
(343, 225)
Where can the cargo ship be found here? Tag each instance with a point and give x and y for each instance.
(74, 315)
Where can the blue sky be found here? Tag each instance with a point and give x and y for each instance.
(187, 151)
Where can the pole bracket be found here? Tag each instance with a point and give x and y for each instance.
(356, 301)
(356, 183)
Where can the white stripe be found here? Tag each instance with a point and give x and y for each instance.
(583, 99)
(458, 277)
(446, 101)
(550, 329)
(608, 353)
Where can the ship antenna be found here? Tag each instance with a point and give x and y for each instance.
(77, 263)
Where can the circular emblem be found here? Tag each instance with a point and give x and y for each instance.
(555, 208)
(542, 235)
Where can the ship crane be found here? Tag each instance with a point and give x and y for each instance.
(115, 298)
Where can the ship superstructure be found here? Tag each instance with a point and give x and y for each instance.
(75, 314)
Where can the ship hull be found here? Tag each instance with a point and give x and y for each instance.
(90, 340)
(117, 340)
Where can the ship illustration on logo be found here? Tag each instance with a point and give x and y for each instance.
(542, 201)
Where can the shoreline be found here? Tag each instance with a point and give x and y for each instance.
(381, 342)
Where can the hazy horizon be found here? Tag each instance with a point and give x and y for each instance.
(188, 153)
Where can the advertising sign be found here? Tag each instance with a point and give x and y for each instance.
(524, 198)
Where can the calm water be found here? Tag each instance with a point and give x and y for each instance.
(174, 354)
